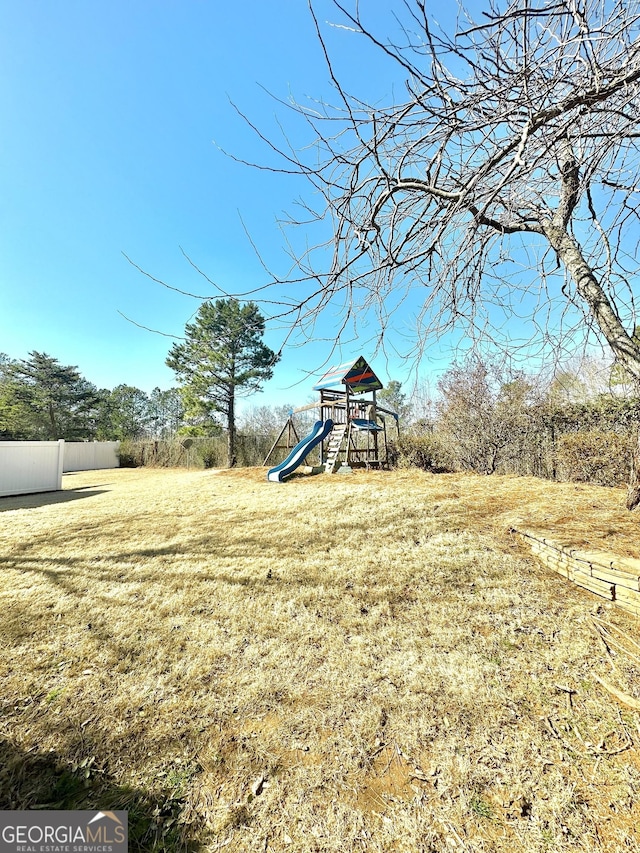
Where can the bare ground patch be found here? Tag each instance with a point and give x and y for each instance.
(365, 662)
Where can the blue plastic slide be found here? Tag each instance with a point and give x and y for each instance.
(320, 431)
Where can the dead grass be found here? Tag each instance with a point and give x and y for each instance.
(347, 663)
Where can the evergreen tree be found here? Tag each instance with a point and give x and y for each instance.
(127, 411)
(13, 418)
(41, 399)
(394, 398)
(166, 412)
(223, 356)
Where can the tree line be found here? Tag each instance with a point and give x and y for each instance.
(44, 400)
(481, 417)
(221, 357)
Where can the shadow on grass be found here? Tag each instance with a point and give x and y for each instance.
(32, 780)
(47, 498)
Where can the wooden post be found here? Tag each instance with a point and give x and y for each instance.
(376, 450)
(323, 417)
(386, 445)
(291, 429)
(347, 454)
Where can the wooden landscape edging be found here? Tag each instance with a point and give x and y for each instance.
(616, 579)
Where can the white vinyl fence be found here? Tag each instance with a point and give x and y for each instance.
(30, 466)
(90, 455)
(37, 466)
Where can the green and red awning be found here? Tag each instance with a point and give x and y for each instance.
(357, 376)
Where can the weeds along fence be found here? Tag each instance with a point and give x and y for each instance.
(210, 452)
(600, 457)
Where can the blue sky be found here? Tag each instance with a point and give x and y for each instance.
(113, 116)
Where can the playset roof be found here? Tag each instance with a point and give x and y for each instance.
(358, 376)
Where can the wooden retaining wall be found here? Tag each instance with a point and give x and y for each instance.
(615, 579)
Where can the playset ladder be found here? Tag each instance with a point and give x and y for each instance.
(334, 446)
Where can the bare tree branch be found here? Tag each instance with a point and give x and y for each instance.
(517, 136)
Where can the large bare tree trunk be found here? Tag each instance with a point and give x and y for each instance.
(625, 346)
(633, 495)
(231, 432)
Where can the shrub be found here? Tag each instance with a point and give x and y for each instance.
(128, 454)
(212, 451)
(156, 453)
(427, 451)
(594, 456)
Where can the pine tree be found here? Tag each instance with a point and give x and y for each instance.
(222, 357)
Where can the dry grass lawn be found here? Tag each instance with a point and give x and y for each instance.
(347, 663)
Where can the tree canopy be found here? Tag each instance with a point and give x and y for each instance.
(394, 397)
(500, 186)
(41, 399)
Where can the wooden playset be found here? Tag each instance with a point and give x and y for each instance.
(353, 430)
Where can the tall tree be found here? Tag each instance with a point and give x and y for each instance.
(48, 400)
(166, 411)
(128, 412)
(222, 357)
(502, 184)
(5, 363)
